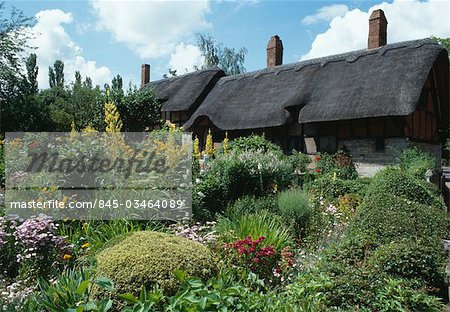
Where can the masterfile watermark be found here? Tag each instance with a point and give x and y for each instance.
(99, 175)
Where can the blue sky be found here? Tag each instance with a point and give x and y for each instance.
(105, 38)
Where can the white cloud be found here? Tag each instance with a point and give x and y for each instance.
(326, 13)
(54, 43)
(407, 20)
(151, 28)
(185, 58)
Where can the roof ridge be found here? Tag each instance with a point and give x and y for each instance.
(350, 56)
(192, 73)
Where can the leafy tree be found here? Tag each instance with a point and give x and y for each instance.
(13, 40)
(117, 92)
(445, 42)
(139, 109)
(56, 75)
(214, 53)
(32, 73)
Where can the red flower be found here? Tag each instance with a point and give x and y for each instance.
(318, 158)
(318, 170)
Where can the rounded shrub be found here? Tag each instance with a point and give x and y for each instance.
(411, 259)
(149, 258)
(386, 217)
(399, 183)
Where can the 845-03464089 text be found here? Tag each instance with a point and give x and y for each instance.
(100, 204)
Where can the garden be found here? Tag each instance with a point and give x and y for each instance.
(269, 232)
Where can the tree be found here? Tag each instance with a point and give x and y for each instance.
(215, 54)
(139, 109)
(56, 75)
(13, 40)
(32, 73)
(117, 92)
(445, 42)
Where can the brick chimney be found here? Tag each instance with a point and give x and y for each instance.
(377, 30)
(274, 52)
(145, 74)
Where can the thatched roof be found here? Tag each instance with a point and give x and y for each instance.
(184, 92)
(386, 81)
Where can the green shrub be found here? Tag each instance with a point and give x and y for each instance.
(251, 204)
(416, 162)
(150, 258)
(328, 187)
(299, 161)
(411, 259)
(238, 174)
(396, 182)
(386, 217)
(253, 142)
(262, 223)
(359, 289)
(294, 208)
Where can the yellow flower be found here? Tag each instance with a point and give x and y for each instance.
(67, 257)
(85, 245)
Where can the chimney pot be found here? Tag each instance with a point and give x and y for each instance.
(145, 74)
(274, 52)
(377, 29)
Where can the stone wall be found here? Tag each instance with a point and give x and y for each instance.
(368, 161)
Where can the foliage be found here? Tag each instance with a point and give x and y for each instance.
(139, 109)
(234, 175)
(226, 292)
(149, 258)
(411, 259)
(356, 289)
(215, 54)
(445, 42)
(339, 165)
(386, 217)
(397, 182)
(253, 143)
(13, 41)
(416, 162)
(330, 188)
(262, 223)
(294, 208)
(100, 234)
(299, 161)
(71, 292)
(251, 204)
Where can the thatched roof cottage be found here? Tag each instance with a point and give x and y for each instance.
(375, 101)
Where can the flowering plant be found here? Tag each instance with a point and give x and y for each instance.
(32, 245)
(262, 260)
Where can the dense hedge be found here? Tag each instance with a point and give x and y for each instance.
(150, 258)
(398, 182)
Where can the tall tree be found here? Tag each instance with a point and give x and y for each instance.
(214, 53)
(13, 40)
(32, 74)
(56, 75)
(116, 91)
